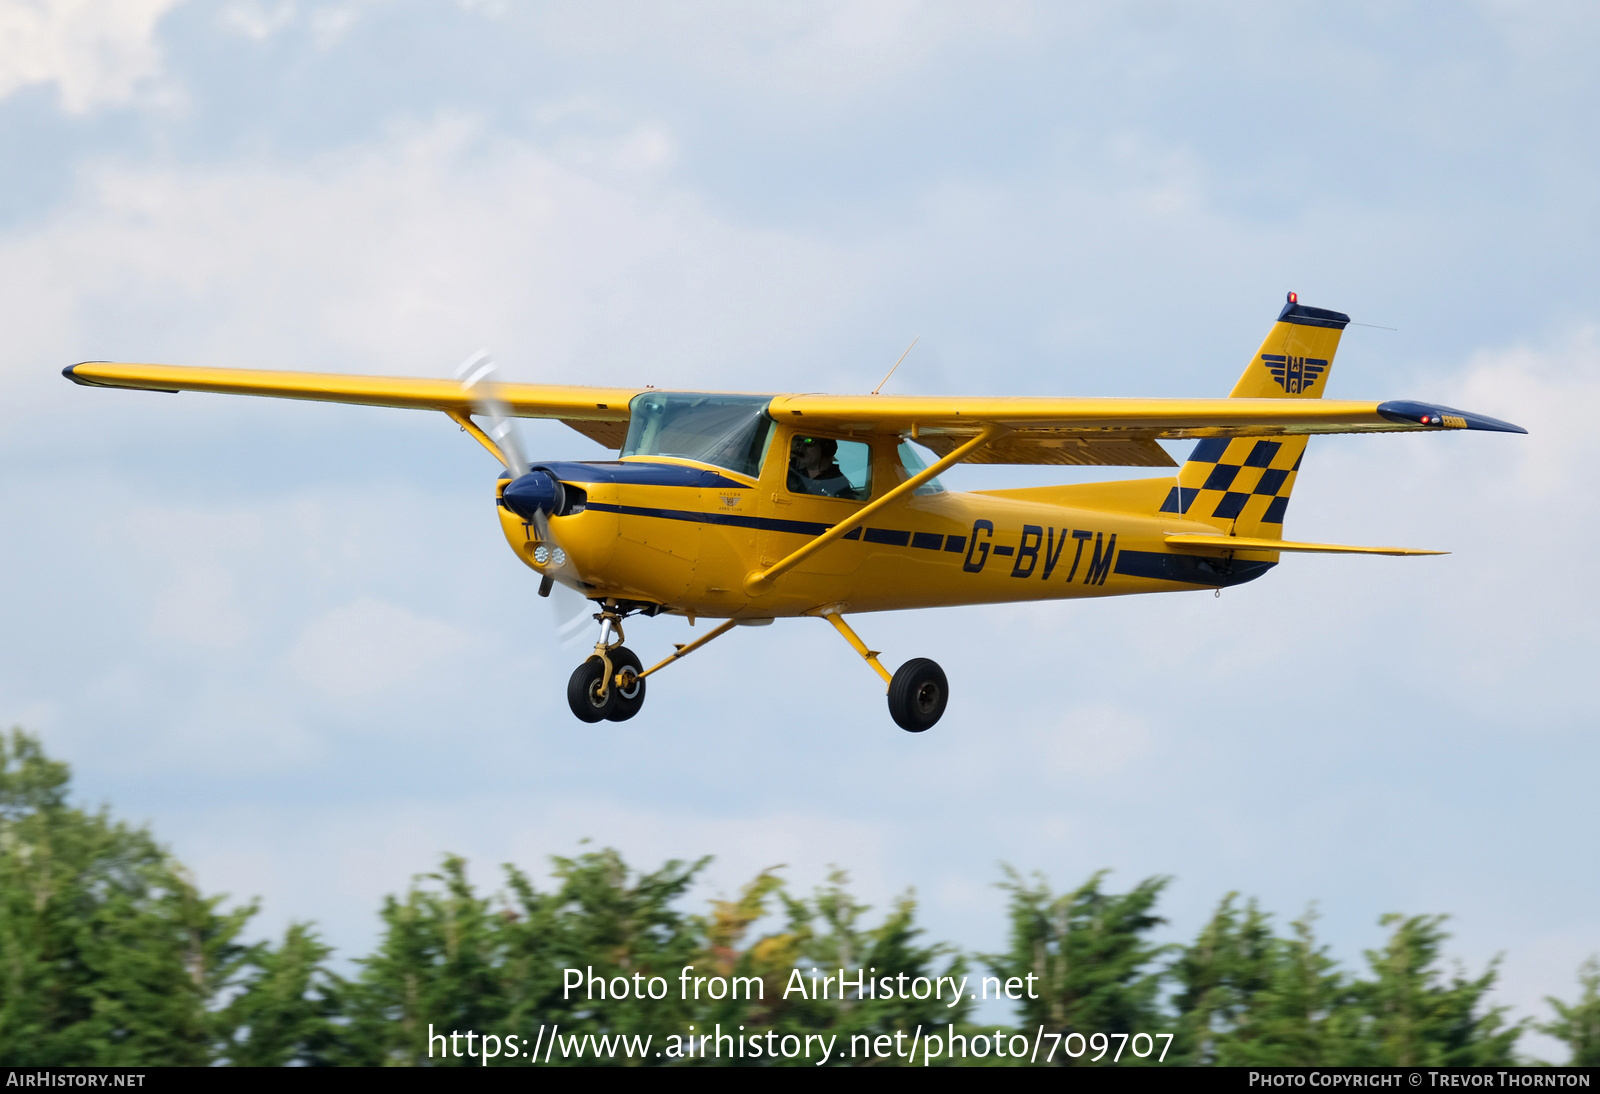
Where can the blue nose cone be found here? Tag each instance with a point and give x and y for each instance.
(535, 492)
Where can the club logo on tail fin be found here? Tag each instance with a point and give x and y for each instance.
(1294, 374)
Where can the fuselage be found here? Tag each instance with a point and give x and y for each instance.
(684, 534)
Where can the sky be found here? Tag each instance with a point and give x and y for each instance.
(290, 637)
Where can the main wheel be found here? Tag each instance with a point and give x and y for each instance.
(917, 695)
(627, 700)
(583, 692)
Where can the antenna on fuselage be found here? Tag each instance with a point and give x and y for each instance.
(885, 379)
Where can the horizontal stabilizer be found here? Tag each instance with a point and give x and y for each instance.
(1249, 543)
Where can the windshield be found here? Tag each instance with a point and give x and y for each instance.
(729, 431)
(913, 465)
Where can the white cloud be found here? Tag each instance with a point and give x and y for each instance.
(821, 53)
(97, 52)
(366, 646)
(1553, 393)
(327, 25)
(404, 256)
(258, 21)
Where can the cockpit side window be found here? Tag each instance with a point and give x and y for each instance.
(828, 468)
(731, 431)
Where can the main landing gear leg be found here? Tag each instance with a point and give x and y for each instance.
(609, 686)
(918, 690)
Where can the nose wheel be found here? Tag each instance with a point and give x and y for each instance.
(609, 686)
(617, 703)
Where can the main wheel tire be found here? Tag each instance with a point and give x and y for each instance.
(583, 692)
(917, 695)
(627, 701)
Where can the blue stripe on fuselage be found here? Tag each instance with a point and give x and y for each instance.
(1190, 569)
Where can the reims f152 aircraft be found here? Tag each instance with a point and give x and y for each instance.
(750, 508)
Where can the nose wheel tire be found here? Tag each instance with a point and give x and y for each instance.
(583, 692)
(619, 703)
(917, 695)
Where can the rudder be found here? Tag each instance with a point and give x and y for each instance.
(1243, 484)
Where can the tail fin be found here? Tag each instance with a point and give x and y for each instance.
(1242, 484)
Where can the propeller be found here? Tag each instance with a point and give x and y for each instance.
(477, 376)
(532, 494)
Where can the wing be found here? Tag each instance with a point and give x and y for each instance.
(600, 413)
(1113, 432)
(1109, 431)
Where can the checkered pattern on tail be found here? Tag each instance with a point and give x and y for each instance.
(1241, 484)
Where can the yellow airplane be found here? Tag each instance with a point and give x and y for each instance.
(749, 508)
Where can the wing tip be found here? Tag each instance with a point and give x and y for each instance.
(71, 373)
(1434, 416)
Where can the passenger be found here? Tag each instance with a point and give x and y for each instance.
(813, 469)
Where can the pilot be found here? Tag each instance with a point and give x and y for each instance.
(813, 469)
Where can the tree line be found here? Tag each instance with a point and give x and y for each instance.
(111, 955)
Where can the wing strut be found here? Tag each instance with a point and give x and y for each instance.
(470, 427)
(758, 582)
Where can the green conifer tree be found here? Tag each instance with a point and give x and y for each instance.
(1218, 980)
(451, 961)
(1578, 1024)
(436, 969)
(1090, 957)
(109, 955)
(826, 937)
(1413, 1017)
(288, 1010)
(1303, 1015)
